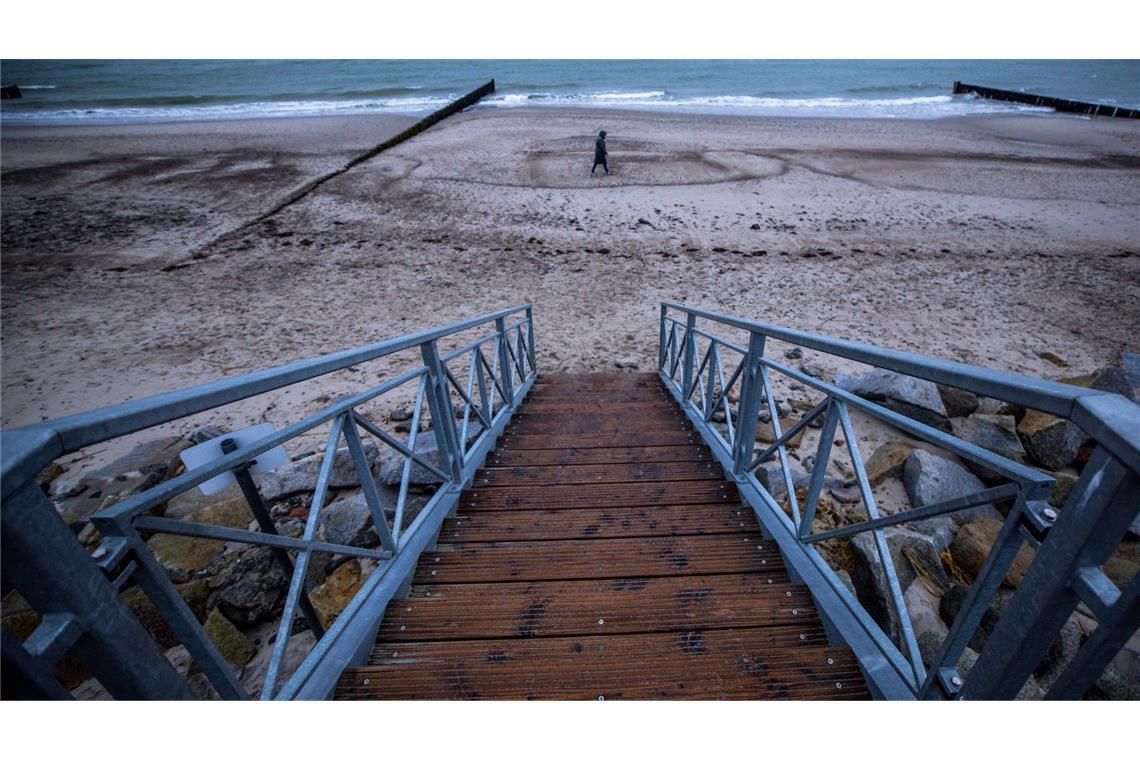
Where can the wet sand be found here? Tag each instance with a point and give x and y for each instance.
(990, 240)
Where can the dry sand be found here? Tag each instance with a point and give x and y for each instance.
(986, 239)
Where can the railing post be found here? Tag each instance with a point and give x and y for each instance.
(690, 359)
(506, 374)
(530, 338)
(1092, 522)
(662, 339)
(748, 411)
(46, 564)
(442, 415)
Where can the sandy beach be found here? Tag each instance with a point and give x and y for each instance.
(986, 239)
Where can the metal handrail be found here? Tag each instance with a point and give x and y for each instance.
(73, 588)
(1105, 499)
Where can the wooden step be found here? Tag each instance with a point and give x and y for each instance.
(600, 495)
(591, 558)
(597, 607)
(510, 440)
(749, 663)
(623, 522)
(613, 455)
(598, 473)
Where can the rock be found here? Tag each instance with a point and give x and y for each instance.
(337, 591)
(910, 551)
(1050, 441)
(813, 370)
(1031, 690)
(973, 543)
(988, 405)
(144, 467)
(951, 604)
(1121, 678)
(1053, 359)
(930, 479)
(994, 433)
(301, 475)
(958, 403)
(887, 460)
(231, 643)
(91, 691)
(349, 521)
(922, 605)
(848, 495)
(929, 645)
(939, 529)
(771, 477)
(765, 434)
(247, 584)
(183, 556)
(296, 649)
(391, 467)
(1108, 379)
(402, 415)
(47, 475)
(1123, 564)
(794, 353)
(626, 362)
(1062, 489)
(909, 396)
(207, 433)
(188, 502)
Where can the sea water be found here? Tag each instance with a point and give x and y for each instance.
(117, 91)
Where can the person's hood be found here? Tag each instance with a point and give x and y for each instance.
(602, 133)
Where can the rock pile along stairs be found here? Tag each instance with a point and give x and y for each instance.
(601, 554)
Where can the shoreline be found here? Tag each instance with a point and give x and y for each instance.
(988, 239)
(110, 124)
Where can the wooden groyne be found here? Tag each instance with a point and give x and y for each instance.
(1059, 104)
(431, 119)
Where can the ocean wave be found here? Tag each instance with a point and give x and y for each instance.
(224, 111)
(37, 86)
(401, 101)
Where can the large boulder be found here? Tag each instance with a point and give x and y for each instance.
(348, 520)
(909, 396)
(183, 556)
(886, 461)
(301, 475)
(950, 605)
(958, 403)
(145, 466)
(247, 585)
(297, 649)
(973, 543)
(231, 643)
(1050, 441)
(930, 479)
(994, 433)
(929, 630)
(913, 555)
(332, 596)
(427, 448)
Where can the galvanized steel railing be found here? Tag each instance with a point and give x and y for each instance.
(78, 599)
(1071, 546)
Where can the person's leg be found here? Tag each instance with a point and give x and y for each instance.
(606, 165)
(592, 168)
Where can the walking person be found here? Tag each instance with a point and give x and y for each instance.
(600, 153)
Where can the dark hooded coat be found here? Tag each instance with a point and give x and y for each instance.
(600, 148)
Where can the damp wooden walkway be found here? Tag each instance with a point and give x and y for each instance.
(600, 554)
